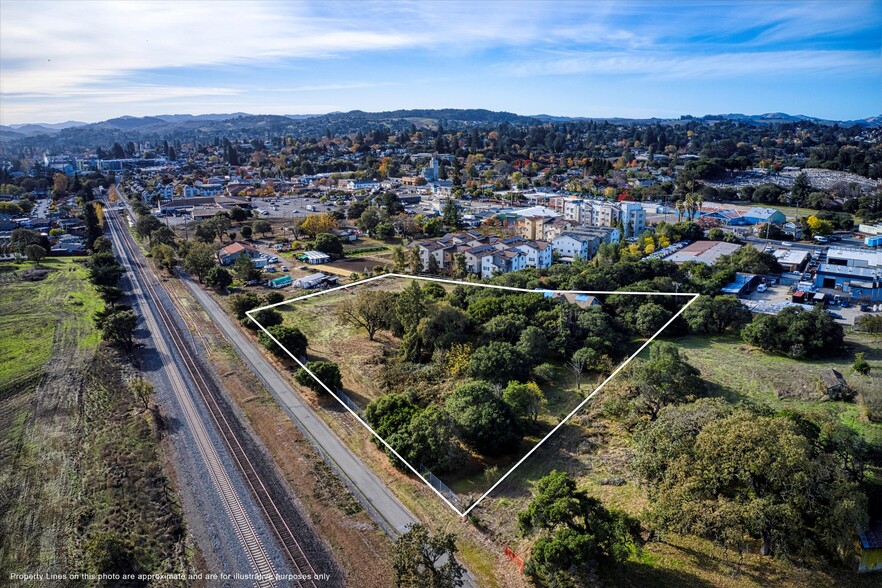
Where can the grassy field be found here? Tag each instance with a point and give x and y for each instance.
(77, 462)
(739, 371)
(32, 313)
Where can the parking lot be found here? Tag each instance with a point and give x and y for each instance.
(777, 297)
(289, 207)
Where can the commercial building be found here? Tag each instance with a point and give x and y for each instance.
(792, 260)
(706, 252)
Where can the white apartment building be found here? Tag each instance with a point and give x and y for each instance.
(539, 254)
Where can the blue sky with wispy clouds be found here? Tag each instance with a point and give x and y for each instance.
(92, 60)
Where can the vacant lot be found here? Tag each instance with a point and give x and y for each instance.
(80, 469)
(362, 363)
(740, 371)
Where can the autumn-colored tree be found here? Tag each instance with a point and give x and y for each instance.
(318, 223)
(819, 226)
(59, 183)
(458, 358)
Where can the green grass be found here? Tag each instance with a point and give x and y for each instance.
(742, 372)
(34, 314)
(790, 211)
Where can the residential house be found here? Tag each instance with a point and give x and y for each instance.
(502, 262)
(233, 251)
(475, 258)
(580, 300)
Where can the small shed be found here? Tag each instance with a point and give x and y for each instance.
(834, 385)
(871, 549)
(280, 282)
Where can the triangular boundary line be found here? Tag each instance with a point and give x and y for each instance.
(693, 296)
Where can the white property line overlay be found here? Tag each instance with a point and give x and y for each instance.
(693, 297)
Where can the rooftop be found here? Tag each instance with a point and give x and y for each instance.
(706, 252)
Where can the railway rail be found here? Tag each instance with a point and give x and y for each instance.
(251, 541)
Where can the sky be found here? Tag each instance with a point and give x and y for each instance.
(90, 61)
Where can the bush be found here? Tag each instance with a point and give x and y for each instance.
(327, 372)
(267, 318)
(290, 337)
(274, 297)
(796, 333)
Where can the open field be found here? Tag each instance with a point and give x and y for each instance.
(79, 465)
(740, 371)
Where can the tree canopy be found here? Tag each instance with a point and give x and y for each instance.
(734, 476)
(577, 533)
(485, 422)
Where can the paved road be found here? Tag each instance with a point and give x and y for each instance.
(384, 508)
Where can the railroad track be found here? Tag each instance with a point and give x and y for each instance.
(252, 543)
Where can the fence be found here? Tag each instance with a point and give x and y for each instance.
(348, 401)
(440, 486)
(514, 557)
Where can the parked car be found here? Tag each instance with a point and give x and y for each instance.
(273, 259)
(269, 270)
(284, 268)
(835, 315)
(865, 307)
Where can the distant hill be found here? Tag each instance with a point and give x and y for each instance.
(177, 118)
(34, 129)
(10, 134)
(784, 118)
(769, 118)
(205, 127)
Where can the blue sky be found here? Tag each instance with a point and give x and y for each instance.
(91, 60)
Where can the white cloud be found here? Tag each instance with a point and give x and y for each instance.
(67, 54)
(714, 66)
